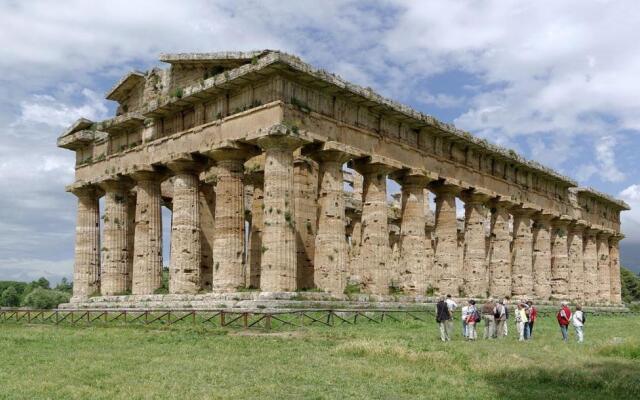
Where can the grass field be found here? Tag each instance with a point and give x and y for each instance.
(387, 361)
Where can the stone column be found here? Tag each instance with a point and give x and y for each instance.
(373, 271)
(576, 261)
(115, 250)
(614, 262)
(147, 261)
(278, 269)
(86, 268)
(207, 207)
(522, 252)
(305, 189)
(447, 267)
(474, 269)
(500, 251)
(590, 258)
(184, 275)
(331, 253)
(228, 243)
(414, 252)
(257, 226)
(604, 269)
(542, 256)
(131, 216)
(559, 260)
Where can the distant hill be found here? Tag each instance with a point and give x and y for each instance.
(630, 255)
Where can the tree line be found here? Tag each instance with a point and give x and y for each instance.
(36, 294)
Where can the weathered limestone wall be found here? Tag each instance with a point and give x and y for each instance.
(522, 254)
(590, 259)
(257, 226)
(576, 262)
(86, 270)
(147, 262)
(604, 270)
(207, 209)
(614, 263)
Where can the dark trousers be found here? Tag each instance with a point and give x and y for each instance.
(528, 330)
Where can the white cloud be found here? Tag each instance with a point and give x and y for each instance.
(46, 109)
(631, 219)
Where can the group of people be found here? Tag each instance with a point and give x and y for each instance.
(494, 316)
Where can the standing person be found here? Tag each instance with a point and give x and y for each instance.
(465, 314)
(521, 319)
(578, 320)
(501, 319)
(443, 318)
(525, 307)
(533, 315)
(563, 317)
(506, 316)
(453, 306)
(473, 317)
(488, 316)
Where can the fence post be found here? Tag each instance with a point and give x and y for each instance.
(267, 322)
(221, 318)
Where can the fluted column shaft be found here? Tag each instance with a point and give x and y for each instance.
(278, 262)
(207, 208)
(576, 262)
(474, 269)
(147, 261)
(559, 260)
(604, 269)
(86, 269)
(447, 266)
(115, 250)
(331, 252)
(542, 257)
(305, 189)
(590, 259)
(185, 233)
(614, 262)
(255, 235)
(413, 242)
(522, 254)
(228, 243)
(500, 252)
(373, 270)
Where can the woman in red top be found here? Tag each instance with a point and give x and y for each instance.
(564, 316)
(532, 315)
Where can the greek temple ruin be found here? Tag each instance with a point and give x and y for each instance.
(277, 176)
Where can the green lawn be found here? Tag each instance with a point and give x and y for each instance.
(387, 361)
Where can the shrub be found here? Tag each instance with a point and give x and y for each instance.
(10, 297)
(45, 298)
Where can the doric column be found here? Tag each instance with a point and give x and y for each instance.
(500, 251)
(590, 258)
(414, 253)
(474, 269)
(373, 271)
(604, 269)
(257, 226)
(207, 208)
(447, 268)
(131, 217)
(331, 252)
(228, 243)
(522, 252)
(542, 255)
(147, 260)
(115, 249)
(278, 269)
(86, 268)
(305, 195)
(559, 259)
(185, 228)
(576, 261)
(614, 262)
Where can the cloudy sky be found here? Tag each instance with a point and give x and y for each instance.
(556, 81)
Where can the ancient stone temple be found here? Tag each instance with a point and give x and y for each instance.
(277, 176)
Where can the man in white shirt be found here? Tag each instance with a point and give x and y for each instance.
(577, 320)
(452, 306)
(465, 314)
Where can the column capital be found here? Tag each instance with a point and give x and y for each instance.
(413, 177)
(84, 189)
(603, 235)
(475, 196)
(562, 221)
(501, 202)
(578, 226)
(616, 238)
(147, 173)
(282, 138)
(524, 209)
(184, 163)
(232, 150)
(330, 151)
(116, 183)
(375, 164)
(441, 187)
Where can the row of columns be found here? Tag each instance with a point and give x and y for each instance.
(544, 256)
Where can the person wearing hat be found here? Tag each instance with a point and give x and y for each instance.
(564, 317)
